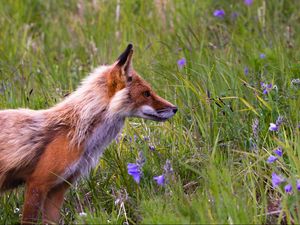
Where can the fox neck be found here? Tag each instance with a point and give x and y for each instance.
(91, 117)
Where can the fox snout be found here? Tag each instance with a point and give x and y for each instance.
(154, 107)
(161, 115)
(168, 110)
(167, 113)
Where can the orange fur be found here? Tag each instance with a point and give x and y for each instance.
(47, 177)
(138, 87)
(115, 82)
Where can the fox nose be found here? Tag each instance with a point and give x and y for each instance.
(174, 109)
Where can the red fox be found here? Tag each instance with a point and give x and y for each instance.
(50, 149)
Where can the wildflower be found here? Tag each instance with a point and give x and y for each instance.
(141, 159)
(168, 171)
(246, 70)
(134, 139)
(134, 171)
(121, 196)
(262, 56)
(273, 127)
(295, 81)
(248, 2)
(255, 130)
(298, 185)
(276, 179)
(266, 87)
(181, 63)
(279, 121)
(234, 15)
(152, 147)
(220, 13)
(278, 151)
(160, 180)
(146, 138)
(168, 167)
(82, 214)
(16, 210)
(271, 159)
(253, 145)
(288, 188)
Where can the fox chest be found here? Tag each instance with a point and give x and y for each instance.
(102, 136)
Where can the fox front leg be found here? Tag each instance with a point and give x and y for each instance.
(34, 199)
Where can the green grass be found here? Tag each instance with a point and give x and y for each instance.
(47, 47)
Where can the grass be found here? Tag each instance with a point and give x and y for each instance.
(219, 162)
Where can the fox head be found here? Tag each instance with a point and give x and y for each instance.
(131, 95)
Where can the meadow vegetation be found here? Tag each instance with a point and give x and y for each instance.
(231, 73)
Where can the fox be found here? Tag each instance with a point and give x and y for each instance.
(48, 150)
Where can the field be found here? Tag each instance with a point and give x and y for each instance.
(231, 73)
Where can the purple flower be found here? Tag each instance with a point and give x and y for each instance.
(273, 127)
(181, 63)
(134, 171)
(295, 81)
(266, 87)
(160, 180)
(262, 55)
(219, 13)
(120, 196)
(278, 151)
(234, 15)
(298, 185)
(248, 2)
(164, 178)
(279, 121)
(246, 70)
(288, 188)
(146, 138)
(271, 159)
(135, 137)
(168, 167)
(140, 161)
(276, 180)
(151, 147)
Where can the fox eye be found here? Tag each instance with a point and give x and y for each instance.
(146, 94)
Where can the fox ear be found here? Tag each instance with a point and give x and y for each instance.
(124, 60)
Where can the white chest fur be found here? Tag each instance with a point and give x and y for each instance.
(95, 146)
